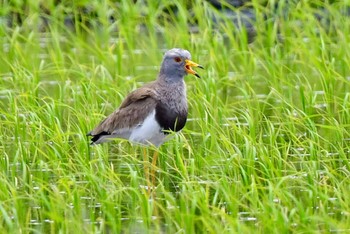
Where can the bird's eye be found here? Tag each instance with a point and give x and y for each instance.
(177, 59)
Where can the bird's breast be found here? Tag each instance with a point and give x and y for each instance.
(171, 108)
(171, 118)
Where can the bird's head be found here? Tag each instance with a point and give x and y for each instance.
(177, 63)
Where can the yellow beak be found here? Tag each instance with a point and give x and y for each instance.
(188, 67)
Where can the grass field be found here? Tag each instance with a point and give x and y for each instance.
(266, 148)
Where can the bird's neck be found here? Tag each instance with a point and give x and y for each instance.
(173, 79)
(173, 88)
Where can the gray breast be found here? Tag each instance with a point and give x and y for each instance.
(171, 108)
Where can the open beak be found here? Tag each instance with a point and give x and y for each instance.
(188, 67)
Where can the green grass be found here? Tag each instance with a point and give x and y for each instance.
(266, 149)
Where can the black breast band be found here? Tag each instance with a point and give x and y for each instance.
(169, 119)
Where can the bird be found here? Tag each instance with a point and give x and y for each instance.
(150, 113)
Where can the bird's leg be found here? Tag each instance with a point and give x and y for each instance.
(154, 167)
(146, 169)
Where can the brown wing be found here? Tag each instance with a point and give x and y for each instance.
(134, 109)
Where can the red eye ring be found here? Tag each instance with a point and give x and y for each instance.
(177, 59)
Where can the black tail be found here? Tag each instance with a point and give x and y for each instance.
(96, 137)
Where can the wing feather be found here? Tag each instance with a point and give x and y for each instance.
(133, 110)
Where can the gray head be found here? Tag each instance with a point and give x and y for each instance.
(176, 64)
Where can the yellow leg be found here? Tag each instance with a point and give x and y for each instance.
(146, 169)
(153, 177)
(154, 167)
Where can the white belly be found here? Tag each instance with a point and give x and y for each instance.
(148, 133)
